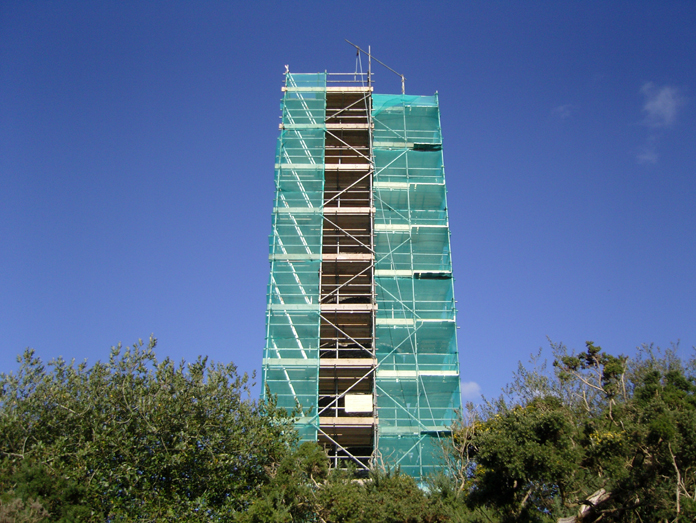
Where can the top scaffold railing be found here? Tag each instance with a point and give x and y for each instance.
(369, 67)
(348, 79)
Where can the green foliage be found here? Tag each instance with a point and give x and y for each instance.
(525, 455)
(15, 510)
(290, 495)
(602, 438)
(60, 496)
(305, 490)
(136, 438)
(596, 438)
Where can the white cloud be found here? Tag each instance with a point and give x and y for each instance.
(661, 104)
(471, 390)
(661, 107)
(564, 111)
(647, 155)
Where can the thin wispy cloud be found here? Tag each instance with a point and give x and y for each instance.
(647, 155)
(563, 111)
(661, 104)
(471, 390)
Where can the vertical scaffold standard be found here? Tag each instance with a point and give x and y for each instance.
(360, 323)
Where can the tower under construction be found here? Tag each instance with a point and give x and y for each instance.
(360, 326)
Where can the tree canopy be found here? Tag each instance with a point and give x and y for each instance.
(136, 438)
(593, 438)
(601, 438)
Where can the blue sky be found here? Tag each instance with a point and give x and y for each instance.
(137, 146)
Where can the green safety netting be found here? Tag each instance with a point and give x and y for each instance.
(436, 342)
(405, 121)
(423, 404)
(416, 454)
(291, 356)
(414, 298)
(301, 149)
(417, 249)
(296, 233)
(417, 379)
(304, 103)
(294, 282)
(408, 165)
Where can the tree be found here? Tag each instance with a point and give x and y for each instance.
(602, 438)
(304, 489)
(16, 511)
(136, 438)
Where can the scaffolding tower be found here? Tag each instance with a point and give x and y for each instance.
(360, 326)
